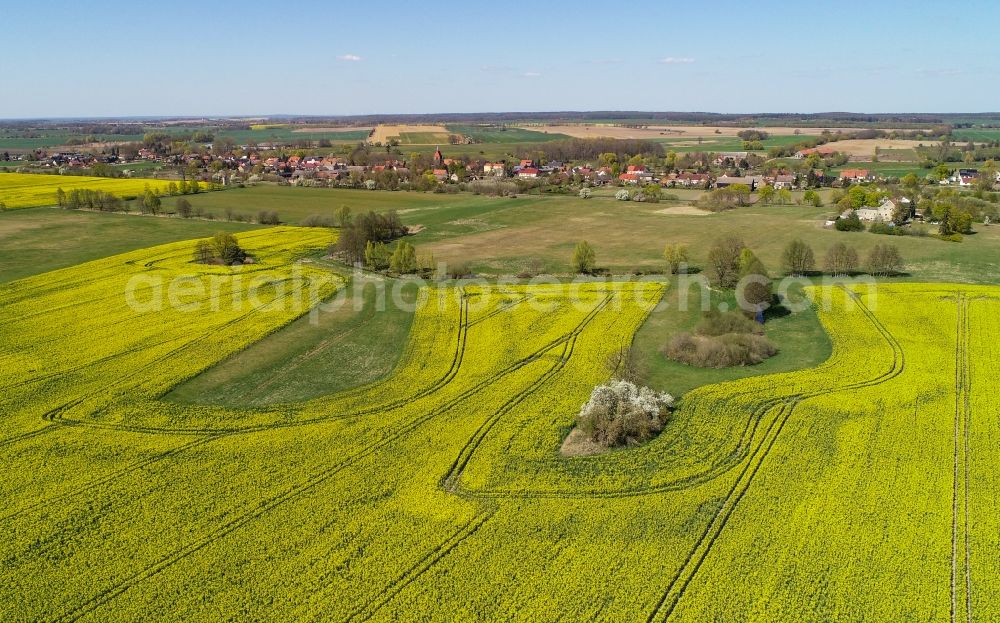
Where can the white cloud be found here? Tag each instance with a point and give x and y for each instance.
(677, 60)
(349, 57)
(531, 74)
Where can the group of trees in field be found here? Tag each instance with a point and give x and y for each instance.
(726, 198)
(730, 262)
(356, 232)
(883, 260)
(183, 188)
(222, 248)
(87, 199)
(401, 260)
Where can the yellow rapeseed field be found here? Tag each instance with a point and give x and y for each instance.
(27, 190)
(863, 489)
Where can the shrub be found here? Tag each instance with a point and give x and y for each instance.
(622, 195)
(850, 223)
(715, 323)
(376, 255)
(651, 193)
(620, 413)
(725, 198)
(266, 217)
(721, 340)
(721, 351)
(317, 220)
(184, 209)
(887, 229)
(584, 258)
(585, 193)
(676, 256)
(458, 270)
(812, 197)
(357, 231)
(404, 258)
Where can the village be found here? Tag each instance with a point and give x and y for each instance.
(252, 164)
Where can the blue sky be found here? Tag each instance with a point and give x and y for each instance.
(103, 58)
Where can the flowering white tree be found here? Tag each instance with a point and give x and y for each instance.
(585, 193)
(622, 195)
(620, 412)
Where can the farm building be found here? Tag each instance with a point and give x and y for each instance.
(753, 181)
(494, 168)
(784, 181)
(688, 179)
(856, 175)
(884, 212)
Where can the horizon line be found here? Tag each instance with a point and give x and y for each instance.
(526, 113)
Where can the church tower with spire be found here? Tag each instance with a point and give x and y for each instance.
(438, 158)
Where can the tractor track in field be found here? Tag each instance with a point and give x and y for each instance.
(732, 460)
(55, 415)
(381, 408)
(373, 605)
(456, 362)
(44, 377)
(450, 482)
(213, 435)
(961, 581)
(678, 585)
(28, 435)
(107, 479)
(265, 506)
(500, 309)
(441, 382)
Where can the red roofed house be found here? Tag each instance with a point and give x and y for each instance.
(629, 178)
(639, 171)
(441, 174)
(820, 151)
(856, 175)
(528, 172)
